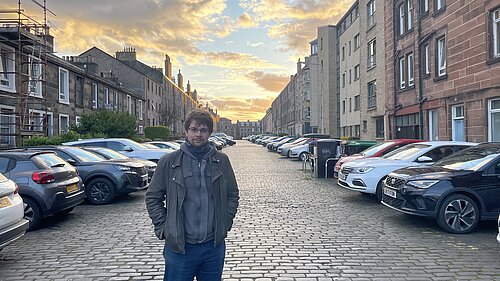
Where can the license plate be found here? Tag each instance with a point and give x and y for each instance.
(72, 188)
(4, 202)
(389, 192)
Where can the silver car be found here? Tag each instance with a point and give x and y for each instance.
(12, 224)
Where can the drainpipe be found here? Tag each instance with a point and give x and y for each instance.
(421, 98)
(394, 63)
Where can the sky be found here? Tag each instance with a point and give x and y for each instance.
(237, 54)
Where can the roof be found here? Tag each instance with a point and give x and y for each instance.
(22, 154)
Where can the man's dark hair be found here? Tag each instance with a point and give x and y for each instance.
(200, 116)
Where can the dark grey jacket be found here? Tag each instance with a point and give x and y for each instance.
(167, 186)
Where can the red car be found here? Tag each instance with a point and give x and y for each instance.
(377, 150)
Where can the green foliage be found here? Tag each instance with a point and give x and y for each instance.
(59, 139)
(113, 124)
(157, 132)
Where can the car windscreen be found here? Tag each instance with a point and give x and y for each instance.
(469, 159)
(376, 148)
(134, 145)
(407, 152)
(111, 153)
(47, 161)
(83, 155)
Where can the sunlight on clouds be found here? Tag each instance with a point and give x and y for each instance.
(246, 22)
(236, 108)
(267, 81)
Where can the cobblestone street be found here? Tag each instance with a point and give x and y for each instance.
(289, 227)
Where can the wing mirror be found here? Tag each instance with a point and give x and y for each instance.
(425, 159)
(127, 148)
(71, 161)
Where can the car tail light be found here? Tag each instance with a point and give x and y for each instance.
(16, 189)
(43, 177)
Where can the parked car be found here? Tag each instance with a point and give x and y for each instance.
(352, 147)
(166, 144)
(216, 143)
(103, 179)
(301, 152)
(12, 224)
(228, 140)
(378, 150)
(109, 154)
(367, 175)
(457, 191)
(127, 147)
(48, 184)
(285, 148)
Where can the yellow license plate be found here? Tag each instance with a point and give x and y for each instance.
(72, 188)
(4, 202)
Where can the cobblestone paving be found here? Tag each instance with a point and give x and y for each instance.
(289, 227)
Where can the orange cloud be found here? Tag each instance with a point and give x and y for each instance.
(236, 108)
(267, 81)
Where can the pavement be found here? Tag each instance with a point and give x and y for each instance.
(289, 226)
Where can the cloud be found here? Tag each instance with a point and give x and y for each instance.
(245, 21)
(295, 22)
(267, 81)
(236, 108)
(257, 44)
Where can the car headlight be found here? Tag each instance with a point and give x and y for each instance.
(361, 170)
(422, 183)
(122, 168)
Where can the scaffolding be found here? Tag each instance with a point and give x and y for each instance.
(25, 46)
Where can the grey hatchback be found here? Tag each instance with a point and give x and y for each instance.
(47, 183)
(103, 179)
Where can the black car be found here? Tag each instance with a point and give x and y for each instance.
(103, 179)
(109, 154)
(457, 191)
(47, 183)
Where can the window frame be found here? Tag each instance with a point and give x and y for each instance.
(35, 63)
(8, 67)
(495, 33)
(64, 83)
(372, 57)
(61, 115)
(491, 111)
(455, 118)
(372, 95)
(95, 95)
(441, 70)
(370, 11)
(433, 130)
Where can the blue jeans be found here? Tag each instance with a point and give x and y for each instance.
(201, 260)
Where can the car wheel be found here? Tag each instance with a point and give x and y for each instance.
(289, 153)
(378, 192)
(458, 214)
(100, 191)
(32, 213)
(303, 156)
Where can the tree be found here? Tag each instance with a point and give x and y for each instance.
(113, 124)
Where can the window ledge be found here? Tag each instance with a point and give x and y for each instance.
(371, 67)
(440, 78)
(492, 60)
(64, 102)
(439, 12)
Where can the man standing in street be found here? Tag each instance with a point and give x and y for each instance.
(192, 201)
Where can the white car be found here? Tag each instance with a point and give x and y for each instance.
(498, 235)
(301, 152)
(366, 175)
(12, 224)
(127, 147)
(166, 144)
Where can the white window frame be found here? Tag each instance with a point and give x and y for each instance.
(454, 120)
(40, 121)
(129, 104)
(402, 20)
(7, 64)
(63, 86)
(116, 102)
(95, 96)
(427, 60)
(356, 72)
(357, 42)
(35, 77)
(107, 105)
(140, 109)
(410, 64)
(441, 56)
(496, 32)
(492, 111)
(440, 4)
(372, 53)
(426, 6)
(370, 10)
(61, 130)
(402, 80)
(409, 17)
(433, 117)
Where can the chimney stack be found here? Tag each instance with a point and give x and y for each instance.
(180, 80)
(128, 54)
(168, 67)
(299, 66)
